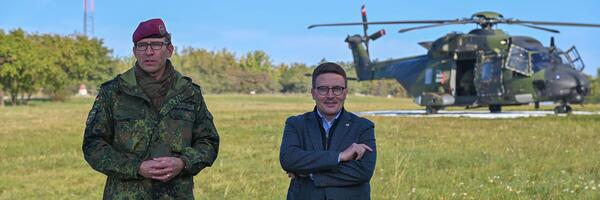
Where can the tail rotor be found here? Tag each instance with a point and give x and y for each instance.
(365, 23)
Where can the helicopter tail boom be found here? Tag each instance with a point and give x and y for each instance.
(362, 61)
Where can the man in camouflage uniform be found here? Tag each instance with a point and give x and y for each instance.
(149, 129)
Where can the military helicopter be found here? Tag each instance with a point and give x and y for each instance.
(485, 67)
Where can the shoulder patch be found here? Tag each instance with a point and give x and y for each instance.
(92, 115)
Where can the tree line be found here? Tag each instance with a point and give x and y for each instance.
(55, 65)
(594, 96)
(48, 63)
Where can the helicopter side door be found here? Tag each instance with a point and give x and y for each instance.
(488, 75)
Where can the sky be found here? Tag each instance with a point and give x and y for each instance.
(280, 27)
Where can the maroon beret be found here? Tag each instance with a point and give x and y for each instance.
(154, 28)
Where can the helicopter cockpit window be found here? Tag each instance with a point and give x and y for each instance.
(540, 60)
(518, 60)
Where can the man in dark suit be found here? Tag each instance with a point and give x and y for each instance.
(328, 153)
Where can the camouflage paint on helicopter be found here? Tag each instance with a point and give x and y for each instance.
(485, 67)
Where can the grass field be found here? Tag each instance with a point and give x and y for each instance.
(418, 158)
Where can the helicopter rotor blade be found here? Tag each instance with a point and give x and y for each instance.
(516, 21)
(420, 27)
(455, 22)
(363, 12)
(377, 35)
(383, 23)
(539, 28)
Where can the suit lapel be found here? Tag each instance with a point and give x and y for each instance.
(342, 131)
(314, 131)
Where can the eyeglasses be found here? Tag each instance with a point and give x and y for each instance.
(324, 90)
(142, 46)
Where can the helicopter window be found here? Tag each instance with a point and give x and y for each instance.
(428, 76)
(540, 61)
(486, 72)
(562, 56)
(490, 70)
(574, 58)
(518, 60)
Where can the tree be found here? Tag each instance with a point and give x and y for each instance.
(1, 95)
(293, 78)
(257, 68)
(594, 96)
(256, 61)
(50, 63)
(2, 35)
(209, 69)
(21, 68)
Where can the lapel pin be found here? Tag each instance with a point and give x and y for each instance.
(347, 124)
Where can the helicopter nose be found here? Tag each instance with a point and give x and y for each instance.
(582, 89)
(569, 85)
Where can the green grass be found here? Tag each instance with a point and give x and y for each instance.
(419, 158)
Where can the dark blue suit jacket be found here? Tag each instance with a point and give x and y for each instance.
(302, 152)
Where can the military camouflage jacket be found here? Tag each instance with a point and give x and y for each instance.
(122, 131)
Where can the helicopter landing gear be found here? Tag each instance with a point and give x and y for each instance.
(495, 108)
(432, 109)
(562, 108)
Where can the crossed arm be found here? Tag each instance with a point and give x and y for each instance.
(356, 163)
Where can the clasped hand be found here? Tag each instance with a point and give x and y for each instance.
(162, 169)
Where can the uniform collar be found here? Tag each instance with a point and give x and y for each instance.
(128, 83)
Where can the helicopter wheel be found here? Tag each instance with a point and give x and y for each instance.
(495, 108)
(431, 110)
(563, 108)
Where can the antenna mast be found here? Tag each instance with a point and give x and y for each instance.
(88, 17)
